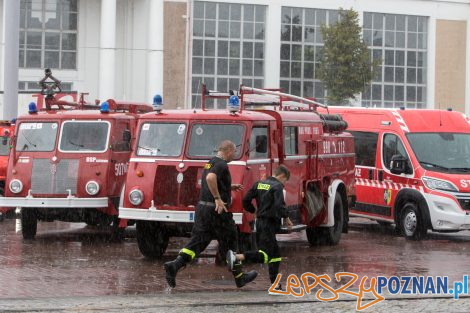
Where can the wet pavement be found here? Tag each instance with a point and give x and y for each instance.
(74, 267)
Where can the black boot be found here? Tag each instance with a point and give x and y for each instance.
(241, 279)
(171, 268)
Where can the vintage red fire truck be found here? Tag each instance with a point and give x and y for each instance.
(69, 161)
(7, 128)
(412, 168)
(172, 147)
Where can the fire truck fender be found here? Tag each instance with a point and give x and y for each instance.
(336, 186)
(411, 195)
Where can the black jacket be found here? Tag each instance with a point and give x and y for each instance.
(269, 199)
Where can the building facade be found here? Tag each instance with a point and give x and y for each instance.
(132, 49)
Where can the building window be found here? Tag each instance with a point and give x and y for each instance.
(301, 45)
(400, 41)
(48, 34)
(228, 48)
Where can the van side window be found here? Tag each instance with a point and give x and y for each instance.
(291, 139)
(365, 146)
(392, 145)
(259, 143)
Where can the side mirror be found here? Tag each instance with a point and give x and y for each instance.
(126, 135)
(261, 144)
(398, 164)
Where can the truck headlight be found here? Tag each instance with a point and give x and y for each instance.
(136, 197)
(92, 188)
(438, 184)
(16, 186)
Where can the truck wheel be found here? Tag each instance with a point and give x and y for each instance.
(152, 239)
(328, 235)
(411, 223)
(29, 223)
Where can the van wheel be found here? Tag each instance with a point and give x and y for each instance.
(152, 239)
(411, 222)
(328, 235)
(29, 223)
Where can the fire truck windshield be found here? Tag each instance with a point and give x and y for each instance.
(205, 138)
(442, 152)
(36, 136)
(84, 136)
(161, 139)
(4, 145)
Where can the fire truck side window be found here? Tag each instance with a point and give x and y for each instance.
(365, 146)
(259, 143)
(36, 136)
(392, 145)
(291, 139)
(4, 145)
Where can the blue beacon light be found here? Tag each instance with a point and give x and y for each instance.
(233, 104)
(104, 107)
(32, 108)
(157, 103)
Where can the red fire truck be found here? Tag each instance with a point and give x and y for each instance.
(412, 168)
(69, 161)
(164, 178)
(7, 129)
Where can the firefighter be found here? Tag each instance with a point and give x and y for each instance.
(271, 208)
(212, 219)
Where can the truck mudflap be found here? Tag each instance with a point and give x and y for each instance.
(69, 202)
(152, 214)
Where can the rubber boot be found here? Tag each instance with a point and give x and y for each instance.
(172, 268)
(241, 279)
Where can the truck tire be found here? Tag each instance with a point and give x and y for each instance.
(117, 233)
(328, 235)
(411, 222)
(29, 223)
(152, 239)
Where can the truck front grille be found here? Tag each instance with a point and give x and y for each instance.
(54, 178)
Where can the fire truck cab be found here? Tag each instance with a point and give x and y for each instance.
(172, 147)
(7, 129)
(412, 168)
(69, 161)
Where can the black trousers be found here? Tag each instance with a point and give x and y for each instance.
(209, 225)
(268, 249)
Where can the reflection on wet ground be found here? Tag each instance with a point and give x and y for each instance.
(77, 260)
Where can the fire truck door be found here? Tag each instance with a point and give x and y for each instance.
(259, 162)
(369, 176)
(120, 153)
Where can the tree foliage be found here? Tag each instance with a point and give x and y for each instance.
(345, 65)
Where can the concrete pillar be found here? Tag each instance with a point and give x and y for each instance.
(11, 16)
(155, 50)
(107, 50)
(272, 64)
(467, 77)
(431, 65)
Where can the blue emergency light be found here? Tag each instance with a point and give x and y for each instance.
(157, 103)
(104, 107)
(233, 104)
(32, 108)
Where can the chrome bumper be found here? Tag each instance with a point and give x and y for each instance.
(69, 202)
(152, 214)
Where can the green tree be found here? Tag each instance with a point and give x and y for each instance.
(345, 65)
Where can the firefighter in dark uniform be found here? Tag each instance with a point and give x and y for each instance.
(271, 208)
(212, 219)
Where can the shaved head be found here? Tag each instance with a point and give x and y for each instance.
(226, 146)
